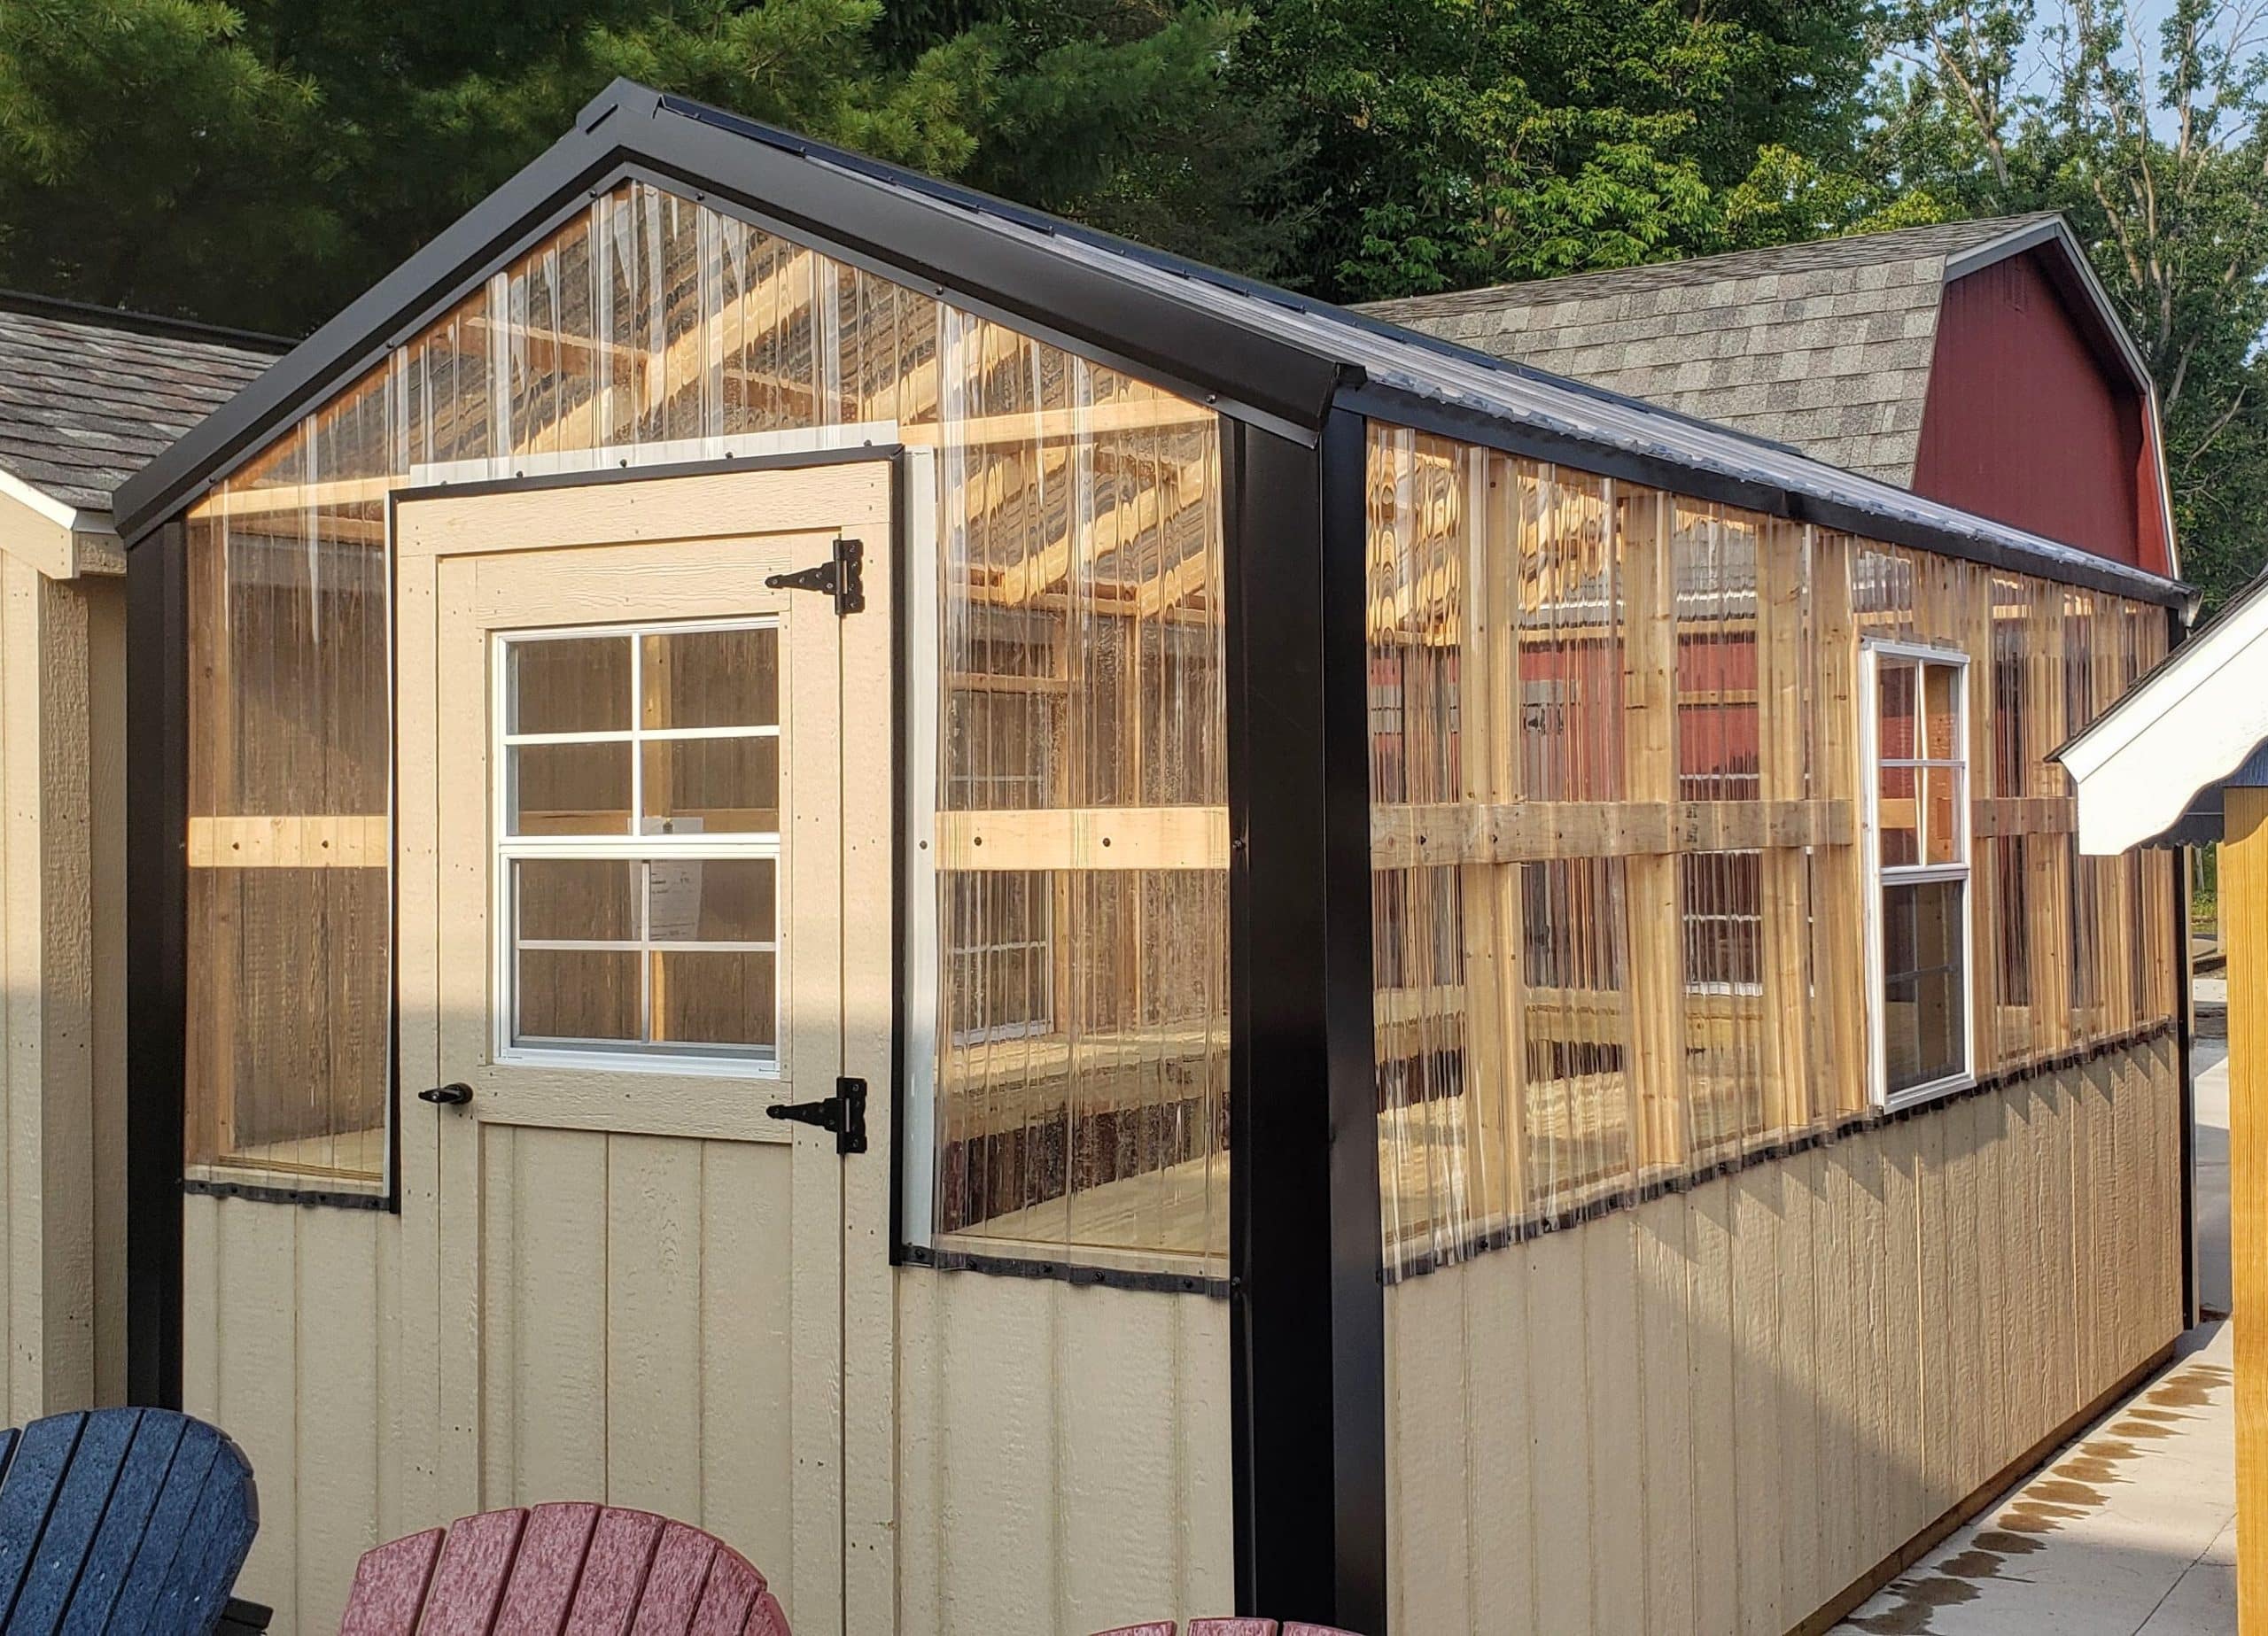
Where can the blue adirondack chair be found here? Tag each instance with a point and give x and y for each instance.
(124, 1520)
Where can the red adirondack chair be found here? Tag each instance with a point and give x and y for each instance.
(1229, 1627)
(581, 1569)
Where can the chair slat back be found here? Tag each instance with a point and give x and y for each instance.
(563, 1569)
(121, 1520)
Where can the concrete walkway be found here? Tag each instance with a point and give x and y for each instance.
(2131, 1531)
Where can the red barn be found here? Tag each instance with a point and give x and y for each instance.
(1978, 363)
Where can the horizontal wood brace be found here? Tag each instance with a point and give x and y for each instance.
(349, 840)
(1409, 837)
(1085, 838)
(2024, 815)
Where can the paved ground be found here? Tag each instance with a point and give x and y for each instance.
(2131, 1531)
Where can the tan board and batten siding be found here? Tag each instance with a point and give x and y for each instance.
(1716, 1412)
(62, 935)
(1081, 1495)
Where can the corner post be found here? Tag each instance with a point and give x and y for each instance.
(157, 919)
(1308, 1369)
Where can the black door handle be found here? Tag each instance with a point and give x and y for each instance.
(455, 1094)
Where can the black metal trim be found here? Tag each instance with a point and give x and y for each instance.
(1621, 1198)
(315, 1198)
(157, 923)
(2180, 630)
(1469, 425)
(1071, 1271)
(901, 674)
(1307, 1360)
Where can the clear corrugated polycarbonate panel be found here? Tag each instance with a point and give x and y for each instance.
(1082, 1058)
(1619, 915)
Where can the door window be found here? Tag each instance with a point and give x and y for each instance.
(638, 825)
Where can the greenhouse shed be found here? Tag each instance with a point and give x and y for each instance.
(1057, 939)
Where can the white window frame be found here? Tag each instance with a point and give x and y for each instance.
(1877, 876)
(506, 849)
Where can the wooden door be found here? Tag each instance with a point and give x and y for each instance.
(644, 848)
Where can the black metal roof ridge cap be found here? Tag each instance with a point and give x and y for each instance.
(1986, 545)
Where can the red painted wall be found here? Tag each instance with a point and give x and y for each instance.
(2026, 423)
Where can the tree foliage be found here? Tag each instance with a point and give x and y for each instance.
(1455, 143)
(261, 164)
(2152, 139)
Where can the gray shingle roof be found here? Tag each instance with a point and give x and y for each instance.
(1824, 347)
(85, 404)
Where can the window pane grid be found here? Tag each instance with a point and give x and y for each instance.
(648, 684)
(634, 922)
(1921, 796)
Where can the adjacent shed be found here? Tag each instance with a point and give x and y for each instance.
(86, 396)
(1980, 363)
(1056, 939)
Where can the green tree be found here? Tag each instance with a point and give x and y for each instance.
(1451, 143)
(2154, 143)
(261, 165)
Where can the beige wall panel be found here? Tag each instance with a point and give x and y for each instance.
(1430, 1359)
(1064, 1456)
(283, 1348)
(548, 1303)
(746, 1381)
(1839, 1300)
(46, 907)
(1903, 1448)
(1801, 1396)
(653, 1325)
(1759, 1393)
(1809, 1361)
(1715, 1548)
(1558, 1377)
(1934, 1255)
(335, 1480)
(1615, 1371)
(1664, 1343)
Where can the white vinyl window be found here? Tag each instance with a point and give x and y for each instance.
(637, 788)
(1917, 851)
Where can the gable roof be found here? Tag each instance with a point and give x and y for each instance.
(88, 396)
(1826, 346)
(1253, 351)
(2152, 766)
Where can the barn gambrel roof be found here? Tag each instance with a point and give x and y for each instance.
(1255, 353)
(1826, 346)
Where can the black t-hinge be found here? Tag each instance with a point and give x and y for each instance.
(841, 576)
(844, 1114)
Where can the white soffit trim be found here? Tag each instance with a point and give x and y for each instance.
(2190, 723)
(37, 528)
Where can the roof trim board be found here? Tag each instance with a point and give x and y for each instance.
(2185, 728)
(1255, 353)
(2075, 279)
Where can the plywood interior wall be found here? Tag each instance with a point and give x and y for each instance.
(1714, 1412)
